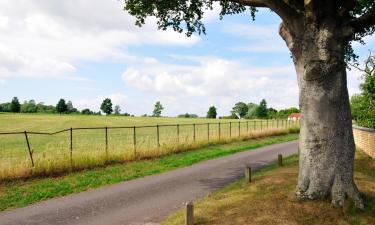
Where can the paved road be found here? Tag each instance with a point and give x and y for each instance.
(145, 200)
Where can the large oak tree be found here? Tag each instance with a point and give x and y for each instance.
(319, 34)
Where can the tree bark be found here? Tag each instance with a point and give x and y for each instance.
(326, 138)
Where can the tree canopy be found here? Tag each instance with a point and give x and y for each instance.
(158, 108)
(363, 104)
(240, 108)
(106, 106)
(61, 106)
(15, 105)
(356, 16)
(212, 112)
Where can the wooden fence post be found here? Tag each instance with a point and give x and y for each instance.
(255, 124)
(261, 125)
(277, 123)
(106, 141)
(248, 174)
(190, 213)
(158, 135)
(135, 141)
(208, 132)
(194, 132)
(178, 133)
(219, 131)
(247, 127)
(239, 129)
(280, 160)
(230, 129)
(71, 146)
(29, 148)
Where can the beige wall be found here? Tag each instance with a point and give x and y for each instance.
(365, 139)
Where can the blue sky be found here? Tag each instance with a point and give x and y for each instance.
(65, 49)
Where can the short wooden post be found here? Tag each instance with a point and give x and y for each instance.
(277, 123)
(255, 124)
(267, 124)
(190, 213)
(29, 148)
(280, 160)
(248, 174)
(247, 126)
(261, 124)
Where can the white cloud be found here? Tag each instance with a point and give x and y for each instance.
(213, 81)
(48, 38)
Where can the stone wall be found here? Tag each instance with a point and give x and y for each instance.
(365, 139)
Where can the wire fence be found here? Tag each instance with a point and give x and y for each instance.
(29, 148)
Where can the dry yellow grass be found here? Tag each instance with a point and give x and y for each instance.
(49, 164)
(270, 200)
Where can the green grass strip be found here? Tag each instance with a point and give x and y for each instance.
(21, 193)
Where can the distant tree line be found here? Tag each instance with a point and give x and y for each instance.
(30, 106)
(240, 109)
(255, 111)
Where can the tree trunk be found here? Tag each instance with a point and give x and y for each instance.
(326, 138)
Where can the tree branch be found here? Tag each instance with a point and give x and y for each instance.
(346, 6)
(253, 3)
(364, 22)
(280, 7)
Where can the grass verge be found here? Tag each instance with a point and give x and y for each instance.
(270, 200)
(19, 193)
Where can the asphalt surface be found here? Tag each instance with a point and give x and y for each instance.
(146, 200)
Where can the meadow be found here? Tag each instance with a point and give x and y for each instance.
(84, 148)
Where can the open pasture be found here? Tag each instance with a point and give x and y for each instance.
(87, 141)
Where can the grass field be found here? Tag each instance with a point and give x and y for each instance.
(90, 147)
(270, 199)
(19, 193)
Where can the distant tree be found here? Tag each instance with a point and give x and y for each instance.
(42, 108)
(87, 112)
(187, 115)
(106, 106)
(29, 107)
(262, 111)
(15, 105)
(158, 108)
(144, 115)
(240, 108)
(117, 110)
(252, 111)
(61, 106)
(272, 113)
(284, 113)
(212, 112)
(70, 108)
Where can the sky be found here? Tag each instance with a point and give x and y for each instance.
(88, 50)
